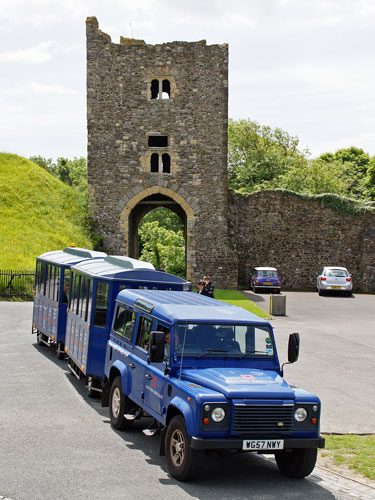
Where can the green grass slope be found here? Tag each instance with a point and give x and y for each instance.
(38, 213)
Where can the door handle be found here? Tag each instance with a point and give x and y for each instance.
(131, 365)
(149, 377)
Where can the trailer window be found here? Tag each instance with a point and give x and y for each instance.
(66, 277)
(75, 292)
(101, 304)
(89, 299)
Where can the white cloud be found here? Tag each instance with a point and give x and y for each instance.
(54, 89)
(32, 55)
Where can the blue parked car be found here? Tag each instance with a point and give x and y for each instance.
(208, 374)
(265, 278)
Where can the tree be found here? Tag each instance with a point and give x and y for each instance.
(259, 155)
(162, 246)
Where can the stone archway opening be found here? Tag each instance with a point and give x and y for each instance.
(155, 206)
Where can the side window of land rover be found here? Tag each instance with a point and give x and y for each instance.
(124, 323)
(144, 330)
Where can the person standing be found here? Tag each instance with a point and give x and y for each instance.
(209, 287)
(202, 288)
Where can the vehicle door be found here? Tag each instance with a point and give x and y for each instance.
(155, 379)
(139, 358)
(123, 329)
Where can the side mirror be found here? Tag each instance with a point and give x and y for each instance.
(157, 342)
(293, 347)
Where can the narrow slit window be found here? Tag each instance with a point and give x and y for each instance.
(154, 162)
(166, 159)
(154, 89)
(166, 89)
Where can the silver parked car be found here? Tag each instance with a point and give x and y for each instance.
(334, 279)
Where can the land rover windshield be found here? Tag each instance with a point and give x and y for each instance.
(216, 340)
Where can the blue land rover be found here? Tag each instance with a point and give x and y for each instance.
(209, 376)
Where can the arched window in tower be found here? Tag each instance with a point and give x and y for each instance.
(166, 89)
(154, 162)
(166, 160)
(154, 89)
(160, 89)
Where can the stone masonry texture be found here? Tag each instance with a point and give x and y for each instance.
(121, 116)
(226, 234)
(299, 237)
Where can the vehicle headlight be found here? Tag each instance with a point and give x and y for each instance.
(218, 414)
(300, 414)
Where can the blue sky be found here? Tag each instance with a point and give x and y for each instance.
(307, 66)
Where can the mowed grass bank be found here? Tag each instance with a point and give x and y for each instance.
(238, 299)
(38, 213)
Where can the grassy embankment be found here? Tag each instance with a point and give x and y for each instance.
(38, 213)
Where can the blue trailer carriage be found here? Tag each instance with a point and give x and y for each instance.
(209, 375)
(95, 285)
(51, 294)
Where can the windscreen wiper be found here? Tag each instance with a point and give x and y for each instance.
(210, 351)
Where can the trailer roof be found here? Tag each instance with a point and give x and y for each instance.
(70, 256)
(187, 307)
(125, 268)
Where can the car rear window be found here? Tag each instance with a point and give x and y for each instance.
(337, 273)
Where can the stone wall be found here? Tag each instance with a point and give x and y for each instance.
(299, 236)
(122, 114)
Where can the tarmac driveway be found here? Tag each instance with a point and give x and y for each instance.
(336, 357)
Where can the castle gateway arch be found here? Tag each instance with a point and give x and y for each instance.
(157, 119)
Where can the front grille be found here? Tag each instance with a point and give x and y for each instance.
(262, 420)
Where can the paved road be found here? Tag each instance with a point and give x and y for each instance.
(55, 443)
(337, 354)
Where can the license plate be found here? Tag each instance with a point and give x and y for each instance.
(336, 287)
(263, 444)
(267, 283)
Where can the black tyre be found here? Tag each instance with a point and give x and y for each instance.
(183, 461)
(297, 463)
(39, 338)
(254, 289)
(119, 404)
(93, 384)
(60, 353)
(320, 292)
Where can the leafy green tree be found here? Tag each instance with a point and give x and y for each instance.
(45, 163)
(161, 246)
(353, 171)
(259, 155)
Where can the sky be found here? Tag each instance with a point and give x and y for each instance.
(306, 66)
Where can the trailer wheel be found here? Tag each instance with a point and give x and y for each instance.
(91, 392)
(39, 337)
(119, 404)
(298, 463)
(60, 353)
(183, 461)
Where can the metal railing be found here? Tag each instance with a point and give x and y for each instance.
(16, 284)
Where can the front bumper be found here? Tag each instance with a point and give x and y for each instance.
(219, 444)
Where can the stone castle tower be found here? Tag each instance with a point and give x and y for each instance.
(157, 136)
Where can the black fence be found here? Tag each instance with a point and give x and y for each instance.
(16, 284)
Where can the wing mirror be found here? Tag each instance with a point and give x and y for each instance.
(156, 349)
(293, 350)
(293, 347)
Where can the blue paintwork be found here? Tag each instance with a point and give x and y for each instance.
(86, 343)
(188, 382)
(49, 316)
